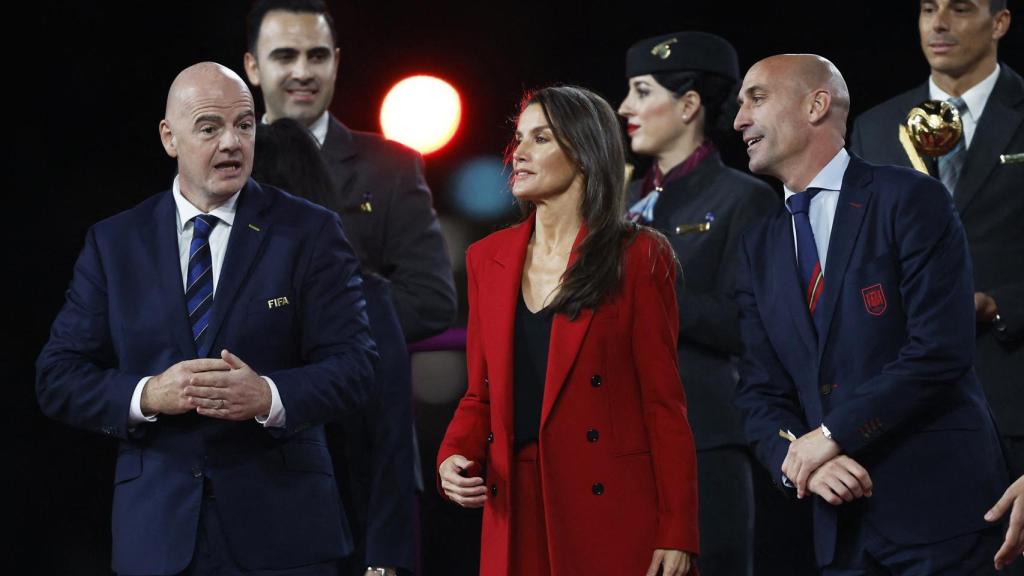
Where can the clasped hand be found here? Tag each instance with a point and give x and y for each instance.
(814, 464)
(224, 388)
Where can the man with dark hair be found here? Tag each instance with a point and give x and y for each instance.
(857, 385)
(222, 466)
(379, 191)
(984, 175)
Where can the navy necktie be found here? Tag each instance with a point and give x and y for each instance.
(811, 276)
(199, 284)
(952, 162)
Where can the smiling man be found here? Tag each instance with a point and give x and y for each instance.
(857, 384)
(960, 40)
(385, 206)
(212, 330)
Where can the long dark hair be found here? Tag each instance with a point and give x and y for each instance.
(287, 156)
(717, 96)
(587, 130)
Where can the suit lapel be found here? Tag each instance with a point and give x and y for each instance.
(248, 233)
(853, 200)
(338, 148)
(999, 122)
(566, 340)
(500, 287)
(785, 280)
(161, 243)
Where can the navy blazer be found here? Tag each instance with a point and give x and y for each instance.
(125, 318)
(891, 373)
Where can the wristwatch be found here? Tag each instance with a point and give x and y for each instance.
(825, 431)
(381, 571)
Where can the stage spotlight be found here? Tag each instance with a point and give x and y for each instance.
(478, 189)
(422, 112)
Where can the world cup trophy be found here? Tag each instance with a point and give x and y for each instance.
(932, 129)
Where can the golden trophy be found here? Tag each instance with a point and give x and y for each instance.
(932, 129)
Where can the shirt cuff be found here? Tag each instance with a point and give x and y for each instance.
(135, 415)
(275, 419)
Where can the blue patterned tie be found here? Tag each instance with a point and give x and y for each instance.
(952, 162)
(199, 287)
(811, 275)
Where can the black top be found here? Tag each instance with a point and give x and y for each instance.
(533, 334)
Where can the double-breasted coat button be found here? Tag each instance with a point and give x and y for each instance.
(592, 435)
(597, 488)
(486, 381)
(595, 380)
(490, 438)
(494, 489)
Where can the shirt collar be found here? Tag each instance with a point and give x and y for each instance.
(186, 211)
(975, 98)
(318, 128)
(830, 177)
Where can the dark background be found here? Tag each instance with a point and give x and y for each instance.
(86, 83)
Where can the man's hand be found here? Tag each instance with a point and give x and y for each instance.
(805, 455)
(671, 563)
(468, 492)
(1013, 544)
(235, 394)
(388, 571)
(165, 393)
(839, 480)
(985, 308)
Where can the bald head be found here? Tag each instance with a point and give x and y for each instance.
(209, 128)
(793, 112)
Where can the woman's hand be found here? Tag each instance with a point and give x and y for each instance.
(468, 492)
(671, 562)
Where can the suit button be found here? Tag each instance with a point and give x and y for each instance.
(595, 380)
(490, 438)
(597, 488)
(197, 472)
(592, 435)
(486, 381)
(494, 489)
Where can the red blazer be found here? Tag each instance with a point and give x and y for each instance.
(613, 370)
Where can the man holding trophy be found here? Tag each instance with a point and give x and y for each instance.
(965, 126)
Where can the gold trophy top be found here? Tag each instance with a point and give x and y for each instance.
(934, 127)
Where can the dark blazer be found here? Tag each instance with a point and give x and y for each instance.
(891, 373)
(125, 318)
(990, 200)
(400, 239)
(616, 455)
(709, 335)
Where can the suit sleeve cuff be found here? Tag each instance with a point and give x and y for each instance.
(135, 415)
(275, 419)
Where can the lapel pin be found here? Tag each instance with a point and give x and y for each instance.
(254, 227)
(1011, 158)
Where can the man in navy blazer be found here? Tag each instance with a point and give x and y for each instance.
(222, 464)
(858, 384)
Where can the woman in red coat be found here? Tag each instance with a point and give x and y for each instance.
(573, 434)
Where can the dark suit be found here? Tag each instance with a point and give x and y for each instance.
(399, 239)
(709, 339)
(990, 199)
(890, 371)
(125, 318)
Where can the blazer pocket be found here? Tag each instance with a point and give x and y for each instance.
(307, 458)
(129, 465)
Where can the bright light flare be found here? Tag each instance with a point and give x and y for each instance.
(422, 112)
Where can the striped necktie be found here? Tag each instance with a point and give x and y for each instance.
(952, 163)
(199, 287)
(811, 275)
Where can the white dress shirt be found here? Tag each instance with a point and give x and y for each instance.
(822, 210)
(185, 212)
(318, 128)
(975, 99)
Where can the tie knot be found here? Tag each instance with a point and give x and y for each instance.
(800, 202)
(959, 104)
(204, 224)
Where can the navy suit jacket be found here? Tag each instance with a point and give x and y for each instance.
(125, 318)
(889, 369)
